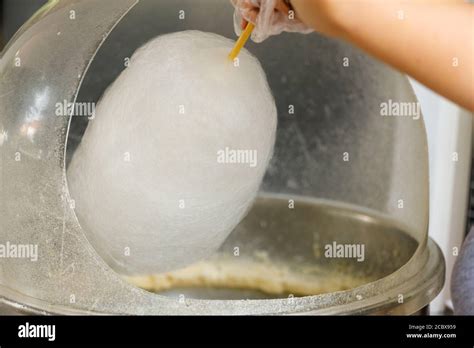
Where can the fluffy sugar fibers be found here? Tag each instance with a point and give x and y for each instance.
(175, 155)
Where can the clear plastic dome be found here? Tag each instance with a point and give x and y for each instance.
(342, 173)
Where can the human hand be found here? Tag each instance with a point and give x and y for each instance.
(271, 17)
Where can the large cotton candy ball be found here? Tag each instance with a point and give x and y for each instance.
(175, 155)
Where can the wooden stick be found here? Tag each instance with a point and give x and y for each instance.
(241, 41)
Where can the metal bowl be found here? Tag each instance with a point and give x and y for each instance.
(279, 252)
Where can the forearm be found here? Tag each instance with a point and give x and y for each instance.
(431, 40)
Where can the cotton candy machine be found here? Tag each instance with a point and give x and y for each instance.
(340, 225)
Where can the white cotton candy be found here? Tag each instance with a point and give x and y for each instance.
(175, 155)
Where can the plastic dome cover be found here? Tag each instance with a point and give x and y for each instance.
(46, 63)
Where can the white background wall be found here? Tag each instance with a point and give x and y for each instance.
(449, 130)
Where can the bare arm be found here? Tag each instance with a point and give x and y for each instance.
(431, 40)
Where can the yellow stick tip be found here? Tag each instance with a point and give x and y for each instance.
(241, 41)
